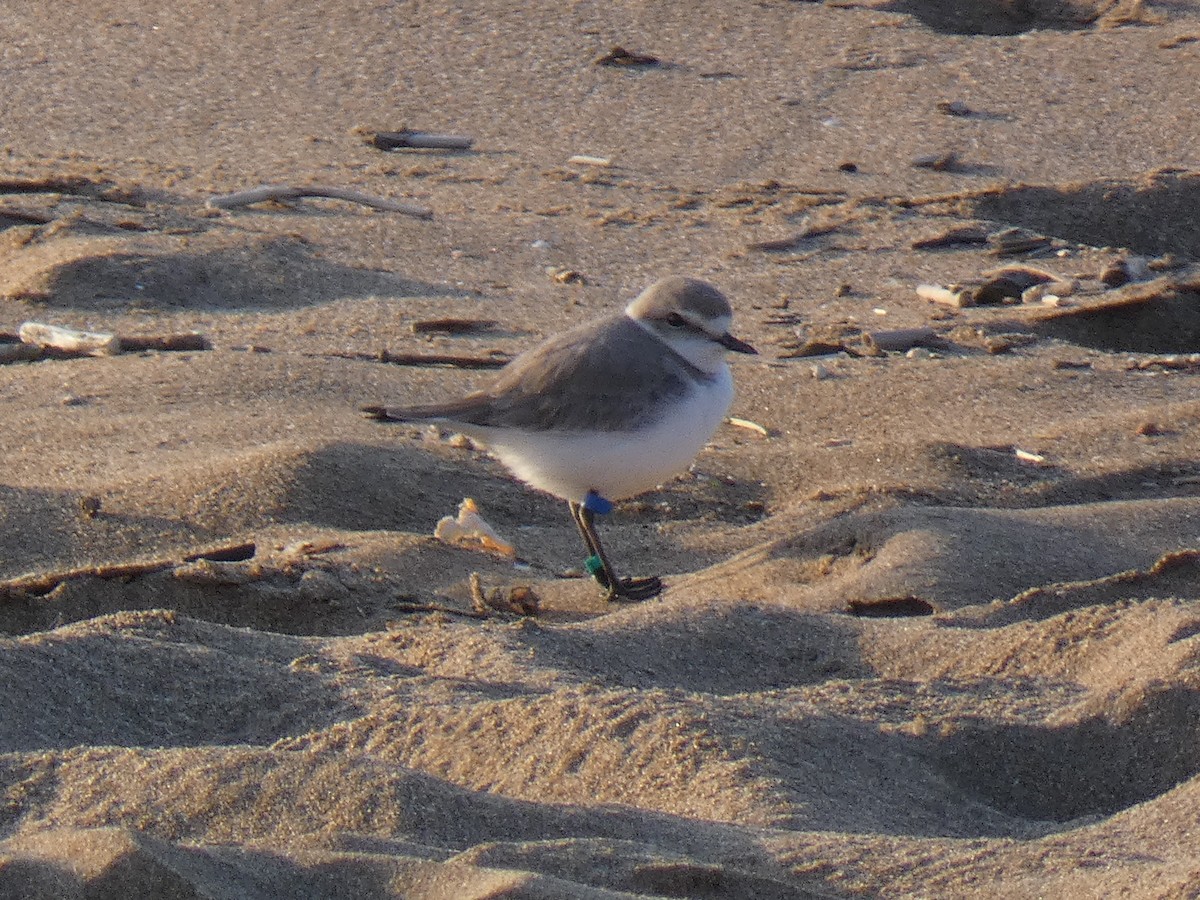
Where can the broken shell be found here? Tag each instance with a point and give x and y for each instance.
(470, 528)
(748, 425)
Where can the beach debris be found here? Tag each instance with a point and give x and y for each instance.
(41, 584)
(38, 340)
(496, 360)
(1008, 283)
(1005, 285)
(519, 599)
(946, 161)
(814, 347)
(1125, 270)
(1013, 240)
(952, 237)
(619, 57)
(1050, 293)
(449, 325)
(954, 108)
(89, 506)
(19, 352)
(748, 425)
(581, 159)
(565, 276)
(901, 339)
(1029, 456)
(416, 140)
(81, 343)
(1179, 362)
(470, 528)
(955, 297)
(287, 192)
(171, 343)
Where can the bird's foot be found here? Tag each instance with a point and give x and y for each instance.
(634, 590)
(631, 589)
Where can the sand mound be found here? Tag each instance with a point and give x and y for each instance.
(932, 617)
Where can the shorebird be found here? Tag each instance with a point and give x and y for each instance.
(607, 410)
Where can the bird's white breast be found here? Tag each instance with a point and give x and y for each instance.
(621, 464)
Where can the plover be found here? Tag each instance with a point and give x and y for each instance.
(607, 410)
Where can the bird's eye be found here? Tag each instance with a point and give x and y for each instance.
(675, 320)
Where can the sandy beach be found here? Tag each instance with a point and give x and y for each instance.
(930, 598)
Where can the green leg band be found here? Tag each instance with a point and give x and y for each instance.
(593, 565)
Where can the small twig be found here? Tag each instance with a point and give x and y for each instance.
(406, 607)
(478, 600)
(285, 192)
(452, 360)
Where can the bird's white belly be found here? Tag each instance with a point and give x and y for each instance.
(615, 465)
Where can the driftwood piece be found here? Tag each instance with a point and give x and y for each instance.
(452, 360)
(287, 192)
(44, 583)
(955, 297)
(83, 343)
(900, 339)
(419, 140)
(189, 340)
(404, 605)
(11, 353)
(452, 326)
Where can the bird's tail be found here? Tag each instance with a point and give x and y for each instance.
(426, 413)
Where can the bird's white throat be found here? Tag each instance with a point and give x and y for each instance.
(700, 351)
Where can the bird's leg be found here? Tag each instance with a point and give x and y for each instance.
(602, 570)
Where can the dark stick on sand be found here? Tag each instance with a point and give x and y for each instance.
(286, 192)
(419, 140)
(453, 360)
